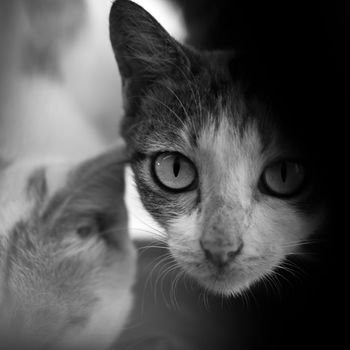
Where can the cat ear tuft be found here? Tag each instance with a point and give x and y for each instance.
(143, 49)
(4, 162)
(37, 185)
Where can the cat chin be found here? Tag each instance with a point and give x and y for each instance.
(226, 288)
(227, 283)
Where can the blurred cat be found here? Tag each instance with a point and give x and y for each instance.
(67, 263)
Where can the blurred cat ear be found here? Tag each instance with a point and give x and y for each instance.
(92, 201)
(143, 49)
(4, 163)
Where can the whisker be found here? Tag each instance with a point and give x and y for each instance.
(152, 246)
(180, 273)
(168, 267)
(182, 123)
(305, 242)
(158, 261)
(274, 283)
(189, 119)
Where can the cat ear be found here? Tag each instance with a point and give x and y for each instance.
(143, 49)
(92, 201)
(3, 163)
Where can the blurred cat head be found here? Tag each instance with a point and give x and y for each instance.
(67, 264)
(212, 163)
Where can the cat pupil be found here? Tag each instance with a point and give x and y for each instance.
(176, 166)
(284, 171)
(84, 231)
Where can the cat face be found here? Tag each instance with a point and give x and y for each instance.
(210, 162)
(66, 261)
(225, 229)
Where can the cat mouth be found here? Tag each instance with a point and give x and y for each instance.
(229, 279)
(232, 279)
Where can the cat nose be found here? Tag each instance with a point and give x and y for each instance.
(220, 256)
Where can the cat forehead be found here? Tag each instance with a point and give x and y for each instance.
(229, 133)
(229, 160)
(228, 143)
(187, 114)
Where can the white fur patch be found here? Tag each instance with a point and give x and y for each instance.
(230, 162)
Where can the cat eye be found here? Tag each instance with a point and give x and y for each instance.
(284, 178)
(89, 226)
(85, 231)
(174, 171)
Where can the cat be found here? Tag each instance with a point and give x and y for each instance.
(212, 165)
(67, 264)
